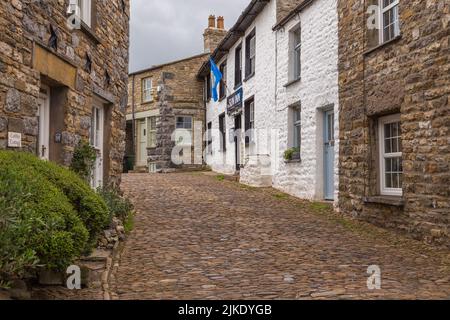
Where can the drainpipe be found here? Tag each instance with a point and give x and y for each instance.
(133, 120)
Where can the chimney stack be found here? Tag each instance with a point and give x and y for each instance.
(211, 22)
(221, 23)
(214, 33)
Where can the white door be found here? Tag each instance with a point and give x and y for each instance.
(97, 128)
(142, 141)
(44, 123)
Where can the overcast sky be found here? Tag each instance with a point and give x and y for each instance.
(163, 31)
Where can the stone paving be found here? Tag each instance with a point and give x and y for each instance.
(198, 237)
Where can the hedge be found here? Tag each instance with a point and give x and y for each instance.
(48, 215)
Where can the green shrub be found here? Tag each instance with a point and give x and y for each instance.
(290, 153)
(118, 206)
(83, 160)
(88, 205)
(38, 224)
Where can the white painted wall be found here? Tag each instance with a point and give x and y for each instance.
(261, 86)
(317, 89)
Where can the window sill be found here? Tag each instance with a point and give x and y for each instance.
(249, 77)
(292, 82)
(222, 98)
(293, 161)
(238, 86)
(89, 32)
(369, 51)
(395, 201)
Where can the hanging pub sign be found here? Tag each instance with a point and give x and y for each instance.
(235, 101)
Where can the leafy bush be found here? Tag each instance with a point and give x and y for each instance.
(290, 153)
(118, 206)
(83, 160)
(90, 207)
(38, 224)
(48, 215)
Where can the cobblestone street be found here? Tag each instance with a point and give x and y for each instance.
(198, 237)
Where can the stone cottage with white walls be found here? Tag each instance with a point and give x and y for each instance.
(280, 94)
(307, 103)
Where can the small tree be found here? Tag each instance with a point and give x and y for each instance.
(83, 160)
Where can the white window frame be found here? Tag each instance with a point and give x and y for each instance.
(295, 57)
(85, 11)
(383, 155)
(96, 128)
(147, 90)
(181, 132)
(151, 136)
(296, 123)
(382, 11)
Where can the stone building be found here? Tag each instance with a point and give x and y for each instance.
(63, 78)
(394, 87)
(280, 65)
(165, 102)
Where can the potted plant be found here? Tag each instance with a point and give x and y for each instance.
(292, 154)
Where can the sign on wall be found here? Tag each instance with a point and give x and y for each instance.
(235, 101)
(14, 140)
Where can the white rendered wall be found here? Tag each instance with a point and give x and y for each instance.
(261, 86)
(317, 89)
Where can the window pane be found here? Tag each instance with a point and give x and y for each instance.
(388, 180)
(252, 47)
(297, 135)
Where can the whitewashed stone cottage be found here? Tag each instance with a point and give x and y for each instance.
(276, 123)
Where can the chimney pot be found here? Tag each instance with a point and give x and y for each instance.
(212, 21)
(220, 23)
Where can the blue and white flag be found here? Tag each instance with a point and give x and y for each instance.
(217, 78)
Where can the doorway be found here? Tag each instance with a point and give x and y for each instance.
(329, 155)
(43, 115)
(142, 143)
(97, 136)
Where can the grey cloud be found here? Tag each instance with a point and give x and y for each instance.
(162, 31)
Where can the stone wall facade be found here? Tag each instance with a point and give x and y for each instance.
(38, 50)
(176, 92)
(409, 76)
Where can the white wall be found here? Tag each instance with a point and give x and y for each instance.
(261, 86)
(317, 89)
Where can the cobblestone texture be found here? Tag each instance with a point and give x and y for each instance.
(197, 237)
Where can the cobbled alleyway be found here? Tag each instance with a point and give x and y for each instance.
(198, 237)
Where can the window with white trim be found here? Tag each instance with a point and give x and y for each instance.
(151, 137)
(389, 20)
(295, 55)
(147, 86)
(184, 130)
(95, 128)
(297, 127)
(391, 166)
